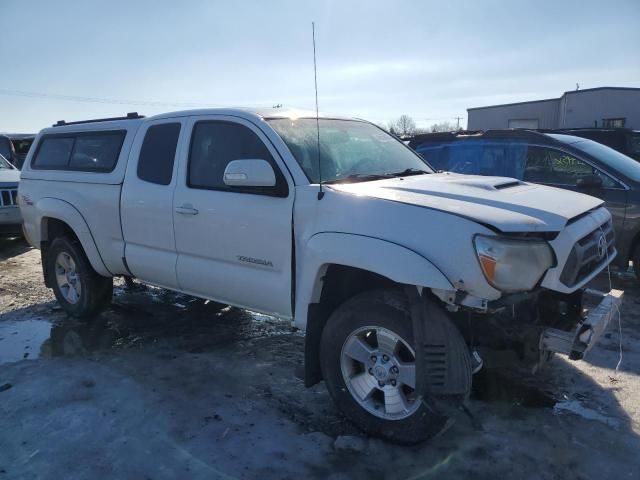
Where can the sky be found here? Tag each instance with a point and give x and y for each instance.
(376, 59)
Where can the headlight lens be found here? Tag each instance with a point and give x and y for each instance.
(513, 265)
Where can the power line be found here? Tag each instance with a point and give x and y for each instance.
(441, 118)
(111, 101)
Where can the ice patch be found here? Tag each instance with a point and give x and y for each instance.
(22, 339)
(577, 408)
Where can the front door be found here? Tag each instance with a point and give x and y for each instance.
(234, 245)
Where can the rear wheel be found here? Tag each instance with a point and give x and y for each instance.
(369, 366)
(79, 289)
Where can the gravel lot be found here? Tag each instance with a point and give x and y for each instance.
(168, 386)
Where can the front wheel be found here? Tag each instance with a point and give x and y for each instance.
(369, 366)
(79, 289)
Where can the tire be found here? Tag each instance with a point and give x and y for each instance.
(388, 312)
(93, 292)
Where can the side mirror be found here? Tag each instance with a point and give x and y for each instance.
(589, 181)
(251, 172)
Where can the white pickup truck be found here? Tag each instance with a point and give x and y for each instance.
(401, 277)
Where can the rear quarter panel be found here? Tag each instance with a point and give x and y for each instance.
(98, 204)
(95, 195)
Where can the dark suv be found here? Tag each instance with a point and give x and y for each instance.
(14, 147)
(624, 140)
(556, 160)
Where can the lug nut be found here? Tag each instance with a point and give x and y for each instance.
(385, 359)
(371, 371)
(374, 358)
(380, 384)
(394, 369)
(393, 383)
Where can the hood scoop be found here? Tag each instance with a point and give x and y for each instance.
(480, 182)
(511, 184)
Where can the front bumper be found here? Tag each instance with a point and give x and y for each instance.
(578, 342)
(10, 216)
(10, 221)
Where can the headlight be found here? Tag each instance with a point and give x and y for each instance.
(513, 265)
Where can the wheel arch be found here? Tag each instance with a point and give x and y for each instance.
(337, 266)
(57, 217)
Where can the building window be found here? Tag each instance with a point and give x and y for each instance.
(613, 122)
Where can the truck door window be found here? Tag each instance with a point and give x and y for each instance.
(216, 143)
(546, 165)
(158, 153)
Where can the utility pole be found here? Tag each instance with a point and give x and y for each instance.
(458, 120)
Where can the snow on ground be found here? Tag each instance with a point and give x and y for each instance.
(166, 386)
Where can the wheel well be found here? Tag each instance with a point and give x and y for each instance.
(339, 283)
(51, 229)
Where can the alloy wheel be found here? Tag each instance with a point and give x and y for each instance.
(379, 369)
(68, 278)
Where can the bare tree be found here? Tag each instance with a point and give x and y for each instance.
(403, 126)
(443, 127)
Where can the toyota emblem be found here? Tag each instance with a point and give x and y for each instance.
(602, 247)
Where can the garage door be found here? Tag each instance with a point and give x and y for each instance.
(523, 123)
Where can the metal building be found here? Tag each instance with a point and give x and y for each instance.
(606, 107)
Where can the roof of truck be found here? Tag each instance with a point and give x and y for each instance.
(133, 119)
(249, 112)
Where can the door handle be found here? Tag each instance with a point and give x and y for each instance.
(187, 210)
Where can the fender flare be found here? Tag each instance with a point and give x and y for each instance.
(391, 260)
(388, 259)
(57, 209)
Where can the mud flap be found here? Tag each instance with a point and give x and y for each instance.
(443, 364)
(44, 248)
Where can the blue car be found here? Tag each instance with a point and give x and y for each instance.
(557, 160)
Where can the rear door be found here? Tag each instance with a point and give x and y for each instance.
(234, 245)
(556, 168)
(147, 202)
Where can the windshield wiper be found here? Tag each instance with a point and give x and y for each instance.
(406, 172)
(361, 177)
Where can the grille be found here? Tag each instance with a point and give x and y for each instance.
(589, 254)
(8, 198)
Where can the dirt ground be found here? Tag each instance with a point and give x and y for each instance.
(165, 386)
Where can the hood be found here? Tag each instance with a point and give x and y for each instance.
(506, 204)
(9, 177)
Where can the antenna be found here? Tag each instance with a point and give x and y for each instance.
(315, 79)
